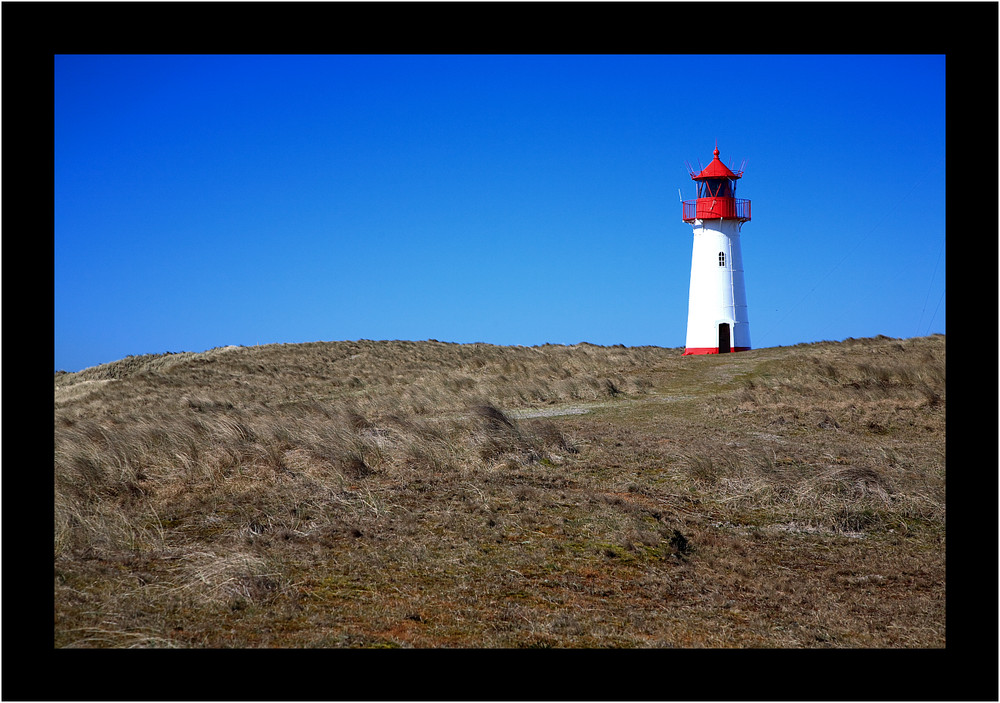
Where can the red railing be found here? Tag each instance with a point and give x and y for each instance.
(716, 208)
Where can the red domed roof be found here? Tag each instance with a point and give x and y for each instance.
(716, 169)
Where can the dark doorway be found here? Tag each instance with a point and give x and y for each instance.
(724, 338)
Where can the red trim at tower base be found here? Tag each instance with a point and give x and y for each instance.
(710, 350)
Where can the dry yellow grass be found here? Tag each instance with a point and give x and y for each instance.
(431, 495)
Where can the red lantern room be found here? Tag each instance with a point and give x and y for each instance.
(716, 194)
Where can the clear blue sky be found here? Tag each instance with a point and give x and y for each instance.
(202, 201)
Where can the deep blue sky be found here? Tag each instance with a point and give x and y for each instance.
(202, 201)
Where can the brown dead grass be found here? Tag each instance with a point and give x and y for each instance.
(397, 494)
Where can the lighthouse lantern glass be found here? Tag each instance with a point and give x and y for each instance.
(717, 188)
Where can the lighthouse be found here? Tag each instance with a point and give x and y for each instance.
(717, 300)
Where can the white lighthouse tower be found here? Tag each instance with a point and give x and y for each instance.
(717, 301)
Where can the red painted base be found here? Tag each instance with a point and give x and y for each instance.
(711, 350)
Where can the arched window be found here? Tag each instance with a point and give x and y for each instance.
(722, 258)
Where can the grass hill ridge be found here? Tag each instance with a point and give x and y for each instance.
(397, 494)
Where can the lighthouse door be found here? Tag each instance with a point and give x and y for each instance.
(724, 338)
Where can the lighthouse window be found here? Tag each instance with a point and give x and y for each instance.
(717, 188)
(722, 258)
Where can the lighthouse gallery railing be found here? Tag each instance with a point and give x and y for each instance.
(715, 208)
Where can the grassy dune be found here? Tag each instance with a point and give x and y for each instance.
(423, 494)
